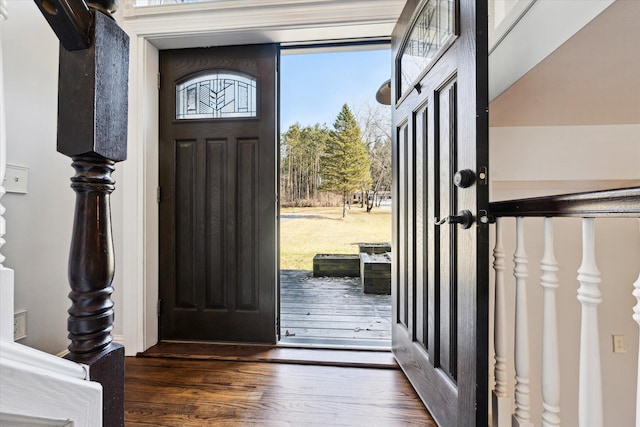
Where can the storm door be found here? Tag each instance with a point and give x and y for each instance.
(440, 161)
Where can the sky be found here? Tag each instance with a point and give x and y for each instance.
(315, 86)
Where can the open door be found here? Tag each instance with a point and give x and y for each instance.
(440, 243)
(218, 151)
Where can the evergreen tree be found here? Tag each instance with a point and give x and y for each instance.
(300, 151)
(345, 164)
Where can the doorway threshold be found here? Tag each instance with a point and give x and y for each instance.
(281, 353)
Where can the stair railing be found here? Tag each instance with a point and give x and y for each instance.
(589, 206)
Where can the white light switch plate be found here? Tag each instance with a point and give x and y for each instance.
(15, 179)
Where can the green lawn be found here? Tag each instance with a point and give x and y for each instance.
(323, 231)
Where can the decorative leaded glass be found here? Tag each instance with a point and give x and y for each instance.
(432, 31)
(217, 95)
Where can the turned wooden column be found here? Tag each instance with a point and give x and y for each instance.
(92, 131)
(91, 258)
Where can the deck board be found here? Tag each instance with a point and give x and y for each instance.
(332, 310)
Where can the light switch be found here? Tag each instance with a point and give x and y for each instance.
(15, 179)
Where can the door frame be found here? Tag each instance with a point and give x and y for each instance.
(151, 30)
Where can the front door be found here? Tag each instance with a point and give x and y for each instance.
(440, 243)
(218, 151)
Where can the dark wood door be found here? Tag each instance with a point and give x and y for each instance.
(218, 153)
(440, 275)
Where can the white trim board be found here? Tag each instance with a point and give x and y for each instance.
(51, 395)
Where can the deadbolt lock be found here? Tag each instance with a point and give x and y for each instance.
(464, 178)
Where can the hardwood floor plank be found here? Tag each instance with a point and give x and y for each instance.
(174, 392)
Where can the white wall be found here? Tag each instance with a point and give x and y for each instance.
(39, 223)
(530, 161)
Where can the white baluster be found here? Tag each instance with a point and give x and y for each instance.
(522, 415)
(636, 317)
(589, 295)
(501, 409)
(550, 353)
(6, 274)
(3, 135)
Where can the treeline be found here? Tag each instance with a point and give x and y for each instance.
(328, 167)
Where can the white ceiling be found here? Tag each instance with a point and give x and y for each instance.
(593, 78)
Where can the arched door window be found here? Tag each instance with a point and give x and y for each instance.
(216, 95)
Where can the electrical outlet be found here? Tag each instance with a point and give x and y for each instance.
(619, 345)
(20, 325)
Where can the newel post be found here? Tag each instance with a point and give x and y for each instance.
(92, 131)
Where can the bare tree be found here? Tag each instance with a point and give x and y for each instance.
(375, 123)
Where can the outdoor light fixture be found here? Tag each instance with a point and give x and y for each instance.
(383, 95)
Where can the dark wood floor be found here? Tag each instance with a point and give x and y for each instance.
(332, 310)
(177, 392)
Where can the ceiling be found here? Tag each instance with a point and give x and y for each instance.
(592, 79)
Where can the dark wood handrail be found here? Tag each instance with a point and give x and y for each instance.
(618, 203)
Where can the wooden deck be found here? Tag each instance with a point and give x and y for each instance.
(332, 311)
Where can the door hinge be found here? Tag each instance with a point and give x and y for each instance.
(158, 193)
(159, 308)
(158, 81)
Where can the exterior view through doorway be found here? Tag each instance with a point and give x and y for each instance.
(334, 195)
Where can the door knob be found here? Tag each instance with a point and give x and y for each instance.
(464, 218)
(464, 178)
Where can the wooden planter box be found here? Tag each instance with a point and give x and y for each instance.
(375, 273)
(336, 265)
(375, 248)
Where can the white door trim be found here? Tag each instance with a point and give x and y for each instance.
(224, 22)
